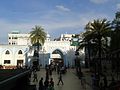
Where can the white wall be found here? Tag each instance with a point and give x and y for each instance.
(45, 54)
(13, 56)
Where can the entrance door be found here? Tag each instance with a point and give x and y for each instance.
(19, 63)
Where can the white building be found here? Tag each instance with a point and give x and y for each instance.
(13, 55)
(57, 50)
(17, 38)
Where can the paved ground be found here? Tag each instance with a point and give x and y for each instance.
(71, 81)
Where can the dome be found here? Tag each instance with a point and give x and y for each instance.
(48, 35)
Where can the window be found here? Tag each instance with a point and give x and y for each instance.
(9, 43)
(20, 52)
(15, 37)
(7, 52)
(9, 37)
(6, 61)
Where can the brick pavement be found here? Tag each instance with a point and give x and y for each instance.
(71, 81)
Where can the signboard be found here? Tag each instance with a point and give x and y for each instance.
(75, 43)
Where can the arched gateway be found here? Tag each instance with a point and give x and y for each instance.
(57, 57)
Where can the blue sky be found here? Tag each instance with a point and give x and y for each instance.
(55, 16)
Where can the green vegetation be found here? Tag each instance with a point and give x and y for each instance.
(38, 35)
(100, 39)
(115, 35)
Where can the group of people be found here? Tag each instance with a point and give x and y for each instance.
(49, 73)
(46, 85)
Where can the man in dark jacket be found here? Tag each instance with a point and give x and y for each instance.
(41, 87)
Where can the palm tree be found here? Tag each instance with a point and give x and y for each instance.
(88, 45)
(98, 32)
(37, 37)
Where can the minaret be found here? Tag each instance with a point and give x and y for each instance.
(48, 37)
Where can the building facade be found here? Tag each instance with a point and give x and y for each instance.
(19, 51)
(13, 55)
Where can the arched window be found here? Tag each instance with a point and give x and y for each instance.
(20, 52)
(7, 52)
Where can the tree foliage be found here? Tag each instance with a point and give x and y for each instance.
(115, 35)
(37, 35)
(97, 33)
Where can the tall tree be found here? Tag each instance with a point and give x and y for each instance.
(98, 32)
(85, 43)
(115, 44)
(37, 37)
(115, 36)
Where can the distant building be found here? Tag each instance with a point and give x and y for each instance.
(17, 38)
(66, 37)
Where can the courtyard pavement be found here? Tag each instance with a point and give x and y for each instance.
(71, 81)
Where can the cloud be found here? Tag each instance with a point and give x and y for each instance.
(98, 1)
(74, 23)
(79, 21)
(62, 8)
(118, 6)
(53, 25)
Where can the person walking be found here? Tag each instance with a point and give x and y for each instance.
(58, 68)
(83, 82)
(50, 72)
(60, 79)
(35, 76)
(51, 84)
(46, 84)
(47, 74)
(41, 86)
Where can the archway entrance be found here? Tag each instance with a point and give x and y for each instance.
(57, 57)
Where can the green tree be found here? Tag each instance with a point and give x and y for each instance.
(37, 37)
(115, 36)
(97, 33)
(115, 44)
